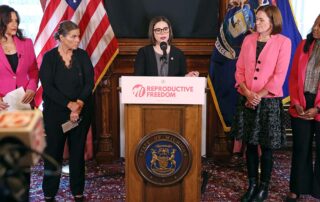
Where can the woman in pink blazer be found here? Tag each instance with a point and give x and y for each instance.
(261, 70)
(304, 88)
(18, 66)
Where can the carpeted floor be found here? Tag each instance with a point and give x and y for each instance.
(106, 182)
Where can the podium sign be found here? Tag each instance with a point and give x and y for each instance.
(163, 138)
(163, 90)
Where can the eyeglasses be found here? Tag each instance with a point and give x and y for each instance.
(163, 30)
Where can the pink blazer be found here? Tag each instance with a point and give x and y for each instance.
(270, 70)
(297, 78)
(27, 69)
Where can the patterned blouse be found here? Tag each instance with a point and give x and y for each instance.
(313, 70)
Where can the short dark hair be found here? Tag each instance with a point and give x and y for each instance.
(64, 28)
(5, 19)
(153, 22)
(275, 17)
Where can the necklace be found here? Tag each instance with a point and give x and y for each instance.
(66, 57)
(8, 47)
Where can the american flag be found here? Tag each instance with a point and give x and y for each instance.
(97, 36)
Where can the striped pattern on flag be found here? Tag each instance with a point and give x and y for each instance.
(97, 36)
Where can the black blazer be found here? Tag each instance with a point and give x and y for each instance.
(146, 64)
(61, 85)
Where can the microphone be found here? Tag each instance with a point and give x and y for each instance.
(163, 46)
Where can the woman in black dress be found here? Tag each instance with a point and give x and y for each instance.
(67, 79)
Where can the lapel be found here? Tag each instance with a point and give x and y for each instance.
(4, 61)
(19, 47)
(153, 61)
(254, 49)
(265, 48)
(303, 60)
(170, 63)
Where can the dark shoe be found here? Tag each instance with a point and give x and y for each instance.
(291, 198)
(79, 198)
(262, 193)
(251, 190)
(49, 199)
(205, 177)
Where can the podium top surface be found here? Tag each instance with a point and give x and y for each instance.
(162, 90)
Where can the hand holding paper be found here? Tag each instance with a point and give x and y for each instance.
(14, 100)
(67, 126)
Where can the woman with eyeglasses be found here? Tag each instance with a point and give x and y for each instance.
(160, 58)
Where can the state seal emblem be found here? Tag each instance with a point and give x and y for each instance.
(163, 158)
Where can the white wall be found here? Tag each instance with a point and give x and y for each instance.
(306, 11)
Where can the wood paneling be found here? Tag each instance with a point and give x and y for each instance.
(106, 124)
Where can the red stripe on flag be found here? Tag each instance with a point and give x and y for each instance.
(51, 41)
(38, 96)
(97, 35)
(52, 6)
(91, 8)
(106, 56)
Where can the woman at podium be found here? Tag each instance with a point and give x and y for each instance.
(160, 58)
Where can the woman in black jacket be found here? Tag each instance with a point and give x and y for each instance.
(160, 58)
(67, 79)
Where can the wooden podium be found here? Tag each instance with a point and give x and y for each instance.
(144, 117)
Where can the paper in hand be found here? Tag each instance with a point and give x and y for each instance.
(67, 126)
(14, 98)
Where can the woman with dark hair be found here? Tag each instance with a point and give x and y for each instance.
(304, 89)
(261, 70)
(66, 76)
(18, 65)
(160, 58)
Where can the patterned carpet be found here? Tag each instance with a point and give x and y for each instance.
(106, 182)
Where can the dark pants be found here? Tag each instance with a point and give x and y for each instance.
(305, 177)
(266, 160)
(55, 146)
(25, 197)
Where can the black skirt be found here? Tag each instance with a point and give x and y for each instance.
(263, 125)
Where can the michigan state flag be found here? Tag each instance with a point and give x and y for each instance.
(289, 29)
